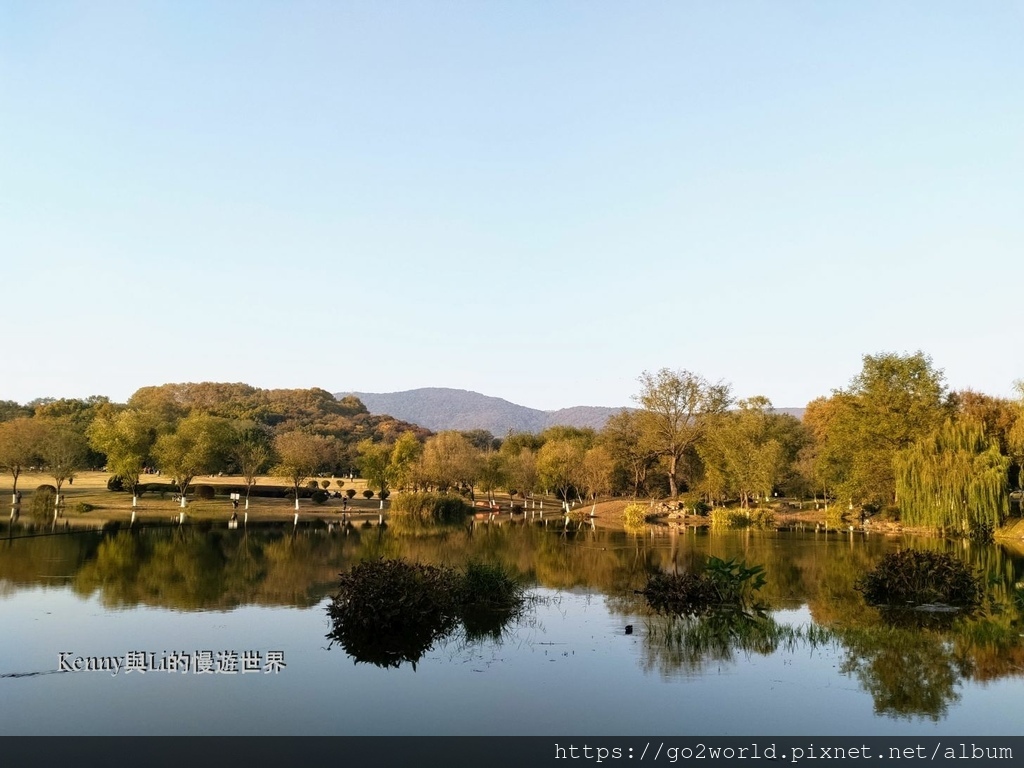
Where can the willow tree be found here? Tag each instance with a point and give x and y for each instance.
(956, 478)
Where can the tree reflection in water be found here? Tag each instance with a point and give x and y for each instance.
(914, 669)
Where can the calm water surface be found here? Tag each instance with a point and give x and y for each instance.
(819, 661)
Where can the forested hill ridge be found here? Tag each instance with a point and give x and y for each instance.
(441, 408)
(313, 410)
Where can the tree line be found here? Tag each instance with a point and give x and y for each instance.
(894, 440)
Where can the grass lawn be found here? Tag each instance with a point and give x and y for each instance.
(90, 488)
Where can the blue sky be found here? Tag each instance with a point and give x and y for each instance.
(533, 200)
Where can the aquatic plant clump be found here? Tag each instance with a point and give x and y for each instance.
(489, 599)
(389, 612)
(914, 577)
(723, 583)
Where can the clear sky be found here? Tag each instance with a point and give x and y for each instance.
(533, 200)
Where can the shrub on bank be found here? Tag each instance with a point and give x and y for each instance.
(732, 517)
(204, 492)
(430, 507)
(635, 515)
(43, 501)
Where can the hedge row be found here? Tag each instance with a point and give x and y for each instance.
(201, 491)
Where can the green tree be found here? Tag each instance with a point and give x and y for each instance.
(893, 402)
(374, 461)
(519, 468)
(9, 409)
(63, 451)
(624, 436)
(596, 473)
(20, 443)
(560, 466)
(126, 438)
(404, 457)
(198, 445)
(744, 450)
(252, 450)
(492, 474)
(676, 409)
(449, 461)
(1015, 435)
(300, 455)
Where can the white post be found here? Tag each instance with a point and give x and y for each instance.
(135, 503)
(382, 503)
(246, 502)
(296, 505)
(183, 502)
(181, 518)
(380, 519)
(14, 498)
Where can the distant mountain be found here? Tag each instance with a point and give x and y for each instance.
(797, 413)
(438, 409)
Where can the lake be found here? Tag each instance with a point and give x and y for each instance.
(244, 613)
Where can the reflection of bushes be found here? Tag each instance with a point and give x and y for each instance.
(909, 673)
(691, 642)
(391, 611)
(430, 507)
(918, 577)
